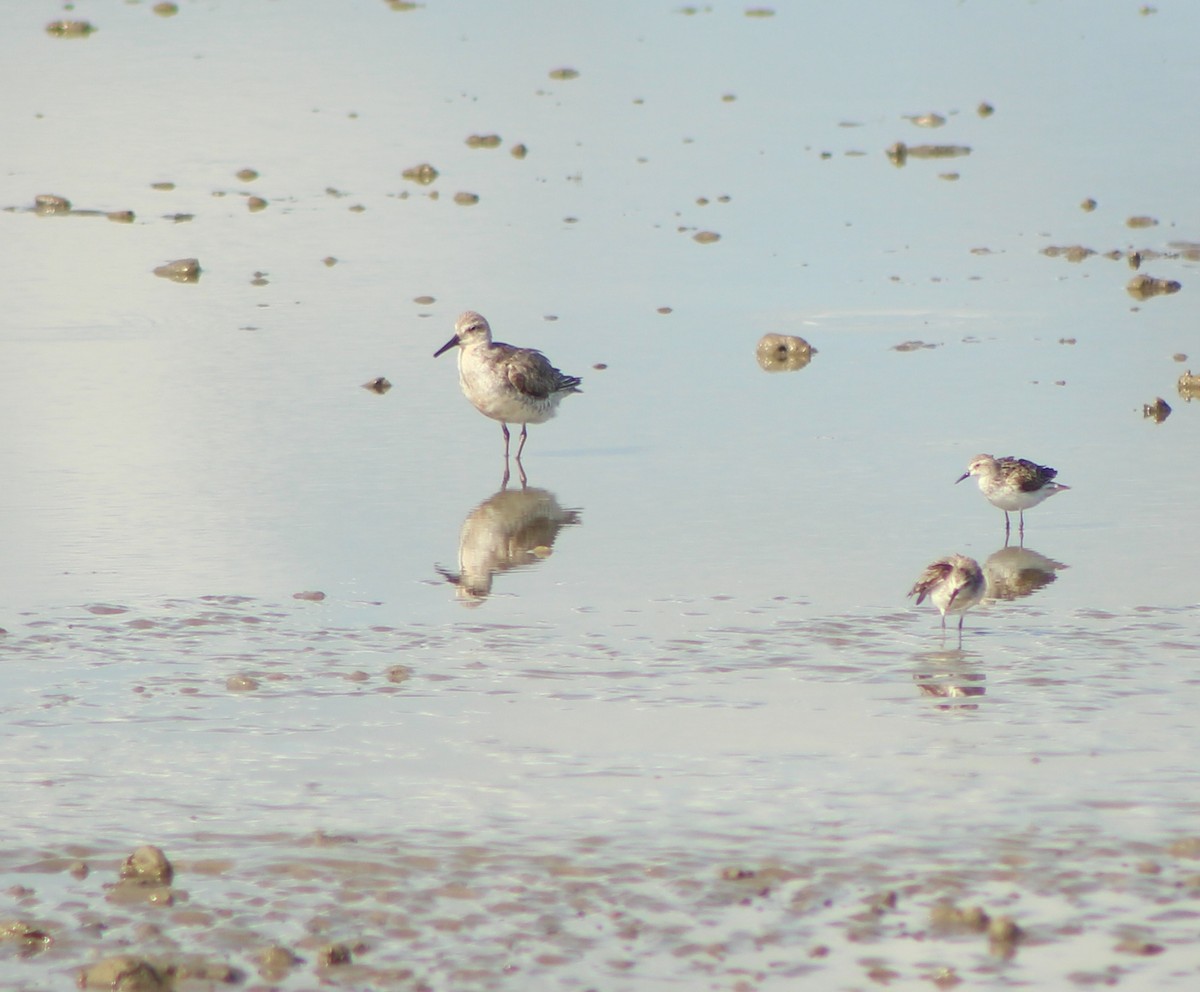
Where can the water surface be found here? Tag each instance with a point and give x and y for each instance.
(665, 716)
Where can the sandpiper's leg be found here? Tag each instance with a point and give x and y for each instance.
(943, 621)
(1022, 529)
(1007, 524)
(524, 478)
(504, 427)
(524, 435)
(504, 479)
(960, 620)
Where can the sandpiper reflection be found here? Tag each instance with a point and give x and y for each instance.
(1014, 572)
(512, 529)
(950, 676)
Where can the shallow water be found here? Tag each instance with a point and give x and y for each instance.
(665, 717)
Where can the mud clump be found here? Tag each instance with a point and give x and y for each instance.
(144, 879)
(180, 270)
(332, 955)
(1003, 936)
(422, 174)
(123, 973)
(1143, 948)
(51, 205)
(1158, 411)
(148, 865)
(276, 961)
(1144, 286)
(1189, 386)
(900, 153)
(29, 939)
(783, 353)
(69, 29)
(1072, 253)
(379, 385)
(947, 916)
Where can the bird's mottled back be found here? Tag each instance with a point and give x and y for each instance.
(1028, 476)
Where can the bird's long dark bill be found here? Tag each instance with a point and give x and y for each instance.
(446, 347)
(965, 475)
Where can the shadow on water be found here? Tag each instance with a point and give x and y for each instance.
(510, 530)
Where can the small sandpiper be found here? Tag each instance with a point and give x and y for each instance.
(1013, 484)
(954, 584)
(509, 384)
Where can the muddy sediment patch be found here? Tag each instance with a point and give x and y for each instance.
(422, 911)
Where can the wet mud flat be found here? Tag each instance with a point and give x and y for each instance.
(1063, 909)
(864, 875)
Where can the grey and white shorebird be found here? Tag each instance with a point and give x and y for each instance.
(954, 584)
(509, 384)
(1013, 484)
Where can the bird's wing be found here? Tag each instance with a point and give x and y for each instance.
(530, 373)
(929, 578)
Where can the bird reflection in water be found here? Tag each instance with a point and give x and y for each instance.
(512, 529)
(1017, 572)
(951, 678)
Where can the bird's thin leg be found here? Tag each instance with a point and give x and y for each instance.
(1022, 530)
(504, 427)
(524, 435)
(504, 480)
(960, 620)
(521, 469)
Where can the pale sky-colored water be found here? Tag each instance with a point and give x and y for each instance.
(718, 654)
(211, 433)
